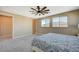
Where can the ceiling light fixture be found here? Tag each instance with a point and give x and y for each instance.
(40, 11)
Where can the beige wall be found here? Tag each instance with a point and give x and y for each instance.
(73, 21)
(21, 25)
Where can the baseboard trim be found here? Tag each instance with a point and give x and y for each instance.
(20, 36)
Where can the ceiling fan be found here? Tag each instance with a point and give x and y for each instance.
(40, 11)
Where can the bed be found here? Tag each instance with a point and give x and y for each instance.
(53, 42)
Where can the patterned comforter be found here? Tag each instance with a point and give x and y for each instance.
(53, 42)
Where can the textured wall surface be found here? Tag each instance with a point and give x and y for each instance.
(73, 21)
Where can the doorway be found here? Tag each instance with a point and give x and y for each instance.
(5, 27)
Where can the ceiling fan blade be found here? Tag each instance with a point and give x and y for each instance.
(42, 13)
(36, 14)
(38, 7)
(33, 9)
(47, 10)
(43, 8)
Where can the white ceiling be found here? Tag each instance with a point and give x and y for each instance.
(24, 10)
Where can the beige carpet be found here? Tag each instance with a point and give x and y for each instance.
(17, 45)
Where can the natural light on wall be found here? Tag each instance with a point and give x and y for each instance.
(45, 23)
(60, 21)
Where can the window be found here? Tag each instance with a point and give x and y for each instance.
(56, 22)
(63, 21)
(45, 22)
(60, 21)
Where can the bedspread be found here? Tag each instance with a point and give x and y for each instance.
(53, 42)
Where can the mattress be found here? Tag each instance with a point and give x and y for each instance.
(53, 42)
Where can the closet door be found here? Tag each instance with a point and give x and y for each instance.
(34, 26)
(5, 27)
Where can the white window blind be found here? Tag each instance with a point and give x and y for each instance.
(60, 21)
(45, 22)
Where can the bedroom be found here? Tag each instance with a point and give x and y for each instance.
(60, 22)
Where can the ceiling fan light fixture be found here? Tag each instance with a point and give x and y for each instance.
(40, 11)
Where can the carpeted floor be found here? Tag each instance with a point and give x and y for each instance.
(17, 45)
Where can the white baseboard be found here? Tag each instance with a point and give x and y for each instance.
(20, 36)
